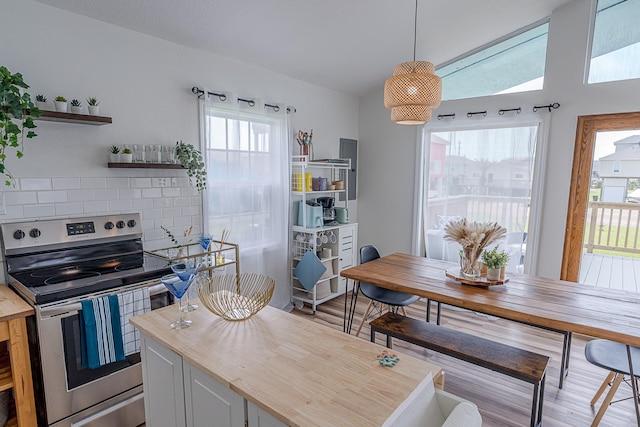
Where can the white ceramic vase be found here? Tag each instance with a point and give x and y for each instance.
(60, 106)
(94, 110)
(493, 274)
(126, 158)
(114, 157)
(76, 109)
(41, 105)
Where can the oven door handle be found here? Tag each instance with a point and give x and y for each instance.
(101, 415)
(76, 306)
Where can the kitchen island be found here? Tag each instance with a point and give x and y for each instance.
(284, 369)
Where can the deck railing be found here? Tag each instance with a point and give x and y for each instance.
(510, 212)
(613, 227)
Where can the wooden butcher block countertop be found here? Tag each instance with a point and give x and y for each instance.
(302, 373)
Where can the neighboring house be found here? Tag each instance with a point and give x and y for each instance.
(618, 168)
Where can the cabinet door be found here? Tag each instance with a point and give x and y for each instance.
(259, 418)
(210, 403)
(163, 385)
(347, 251)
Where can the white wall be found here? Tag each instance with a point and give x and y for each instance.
(144, 83)
(384, 143)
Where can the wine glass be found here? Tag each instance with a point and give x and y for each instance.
(178, 287)
(186, 271)
(205, 242)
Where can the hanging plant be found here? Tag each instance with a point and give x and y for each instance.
(17, 112)
(191, 160)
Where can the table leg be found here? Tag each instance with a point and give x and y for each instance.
(347, 321)
(566, 352)
(634, 385)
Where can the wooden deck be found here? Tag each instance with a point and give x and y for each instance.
(609, 271)
(504, 401)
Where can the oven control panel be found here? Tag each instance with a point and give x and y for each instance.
(24, 235)
(75, 228)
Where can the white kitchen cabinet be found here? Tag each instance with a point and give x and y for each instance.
(177, 393)
(206, 400)
(162, 377)
(260, 418)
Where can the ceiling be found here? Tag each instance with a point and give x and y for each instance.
(346, 45)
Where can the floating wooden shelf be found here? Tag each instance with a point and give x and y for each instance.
(134, 165)
(83, 119)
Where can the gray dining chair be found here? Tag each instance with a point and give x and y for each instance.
(611, 356)
(380, 299)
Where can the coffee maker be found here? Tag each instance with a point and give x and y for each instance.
(328, 212)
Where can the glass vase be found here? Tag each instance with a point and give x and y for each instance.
(470, 265)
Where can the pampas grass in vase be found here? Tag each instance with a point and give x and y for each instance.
(473, 237)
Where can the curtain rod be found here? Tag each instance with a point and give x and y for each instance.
(222, 97)
(517, 110)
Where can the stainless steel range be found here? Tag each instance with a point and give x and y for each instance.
(55, 265)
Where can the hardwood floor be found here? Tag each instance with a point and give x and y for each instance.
(504, 401)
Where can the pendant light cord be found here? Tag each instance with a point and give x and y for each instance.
(415, 31)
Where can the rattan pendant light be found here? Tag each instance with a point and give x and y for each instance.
(413, 90)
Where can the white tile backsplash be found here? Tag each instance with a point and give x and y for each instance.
(105, 194)
(99, 207)
(51, 196)
(170, 202)
(66, 183)
(117, 183)
(94, 183)
(80, 195)
(21, 198)
(30, 184)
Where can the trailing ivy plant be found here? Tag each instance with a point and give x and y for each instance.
(191, 159)
(17, 112)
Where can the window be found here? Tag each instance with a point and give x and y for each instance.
(615, 47)
(478, 183)
(247, 157)
(512, 65)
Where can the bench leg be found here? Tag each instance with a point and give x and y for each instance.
(536, 406)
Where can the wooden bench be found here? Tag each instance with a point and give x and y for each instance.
(514, 362)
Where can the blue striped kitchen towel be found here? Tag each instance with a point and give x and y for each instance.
(103, 334)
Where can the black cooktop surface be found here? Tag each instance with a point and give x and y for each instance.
(55, 283)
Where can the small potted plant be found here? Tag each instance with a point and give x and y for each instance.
(41, 101)
(76, 106)
(94, 109)
(114, 154)
(495, 261)
(191, 160)
(126, 156)
(61, 104)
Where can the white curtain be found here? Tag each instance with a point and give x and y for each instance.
(482, 172)
(247, 152)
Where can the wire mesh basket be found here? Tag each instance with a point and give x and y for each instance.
(236, 297)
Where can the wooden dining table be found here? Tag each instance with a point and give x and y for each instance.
(547, 303)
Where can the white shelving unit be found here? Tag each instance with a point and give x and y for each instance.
(334, 243)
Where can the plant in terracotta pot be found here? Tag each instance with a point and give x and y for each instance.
(61, 104)
(93, 107)
(495, 261)
(76, 106)
(114, 154)
(17, 112)
(127, 155)
(191, 159)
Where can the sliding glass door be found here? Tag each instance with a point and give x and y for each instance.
(482, 174)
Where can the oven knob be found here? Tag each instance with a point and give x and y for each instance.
(120, 224)
(108, 225)
(18, 234)
(131, 223)
(34, 232)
